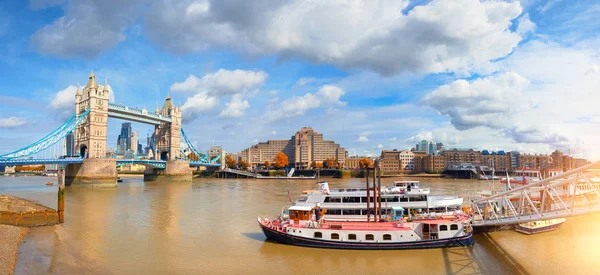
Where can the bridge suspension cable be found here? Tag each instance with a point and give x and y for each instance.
(203, 158)
(49, 139)
(200, 156)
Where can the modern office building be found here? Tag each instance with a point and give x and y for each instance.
(303, 148)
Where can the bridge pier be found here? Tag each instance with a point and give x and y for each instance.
(175, 171)
(94, 172)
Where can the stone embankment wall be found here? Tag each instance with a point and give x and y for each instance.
(20, 212)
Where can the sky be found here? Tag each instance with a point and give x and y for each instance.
(370, 75)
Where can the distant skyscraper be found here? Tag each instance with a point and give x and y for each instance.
(432, 149)
(70, 144)
(124, 139)
(440, 147)
(133, 142)
(424, 146)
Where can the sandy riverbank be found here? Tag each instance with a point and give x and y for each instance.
(15, 204)
(11, 236)
(10, 239)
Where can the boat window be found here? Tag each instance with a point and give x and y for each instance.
(403, 199)
(369, 237)
(333, 199)
(351, 199)
(318, 235)
(350, 211)
(454, 227)
(443, 228)
(335, 236)
(387, 237)
(351, 236)
(334, 211)
(363, 199)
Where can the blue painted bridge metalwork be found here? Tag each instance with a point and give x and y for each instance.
(25, 156)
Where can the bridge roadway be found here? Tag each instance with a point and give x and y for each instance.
(153, 163)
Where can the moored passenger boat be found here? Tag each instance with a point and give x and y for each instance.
(400, 233)
(307, 224)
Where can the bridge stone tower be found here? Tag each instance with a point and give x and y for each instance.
(168, 135)
(90, 135)
(90, 139)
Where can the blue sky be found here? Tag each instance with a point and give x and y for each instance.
(370, 75)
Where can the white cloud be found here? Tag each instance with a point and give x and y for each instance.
(362, 139)
(222, 82)
(527, 106)
(379, 146)
(298, 105)
(452, 36)
(392, 139)
(64, 100)
(304, 81)
(548, 5)
(11, 122)
(87, 29)
(593, 69)
(490, 101)
(525, 25)
(198, 104)
(274, 132)
(235, 108)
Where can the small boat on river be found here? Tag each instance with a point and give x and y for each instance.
(539, 226)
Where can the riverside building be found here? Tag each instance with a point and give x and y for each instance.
(302, 149)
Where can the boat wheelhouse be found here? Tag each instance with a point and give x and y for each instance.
(349, 204)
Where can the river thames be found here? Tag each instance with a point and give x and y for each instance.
(209, 227)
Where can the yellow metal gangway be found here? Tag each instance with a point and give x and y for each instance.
(571, 193)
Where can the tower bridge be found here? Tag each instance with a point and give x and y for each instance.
(89, 128)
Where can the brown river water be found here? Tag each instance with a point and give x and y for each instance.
(209, 227)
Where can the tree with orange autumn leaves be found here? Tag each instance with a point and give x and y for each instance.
(230, 162)
(364, 163)
(281, 160)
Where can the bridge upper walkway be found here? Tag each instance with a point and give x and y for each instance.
(572, 193)
(137, 115)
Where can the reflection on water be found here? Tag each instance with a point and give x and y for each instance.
(209, 226)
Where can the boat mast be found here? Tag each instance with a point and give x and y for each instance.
(376, 188)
